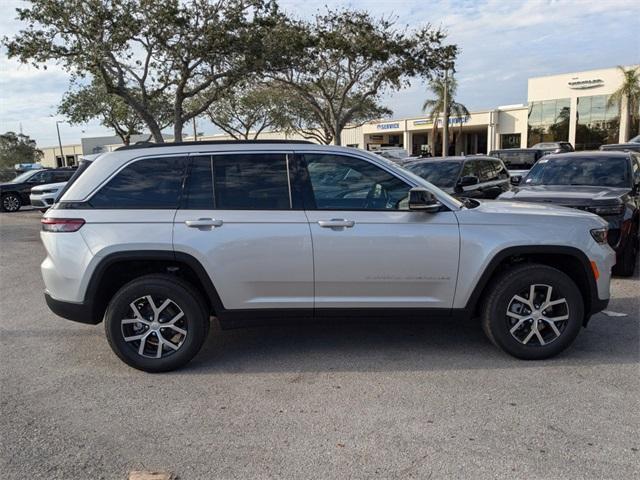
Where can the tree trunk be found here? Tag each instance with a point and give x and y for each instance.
(434, 136)
(177, 131)
(445, 120)
(156, 133)
(337, 134)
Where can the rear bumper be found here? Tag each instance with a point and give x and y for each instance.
(77, 312)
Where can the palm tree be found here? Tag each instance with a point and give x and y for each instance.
(435, 107)
(628, 92)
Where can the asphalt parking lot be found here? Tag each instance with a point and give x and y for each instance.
(432, 400)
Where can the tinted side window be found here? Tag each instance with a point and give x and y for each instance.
(62, 176)
(149, 183)
(470, 169)
(251, 182)
(347, 183)
(198, 193)
(501, 169)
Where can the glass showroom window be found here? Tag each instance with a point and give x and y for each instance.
(597, 122)
(549, 121)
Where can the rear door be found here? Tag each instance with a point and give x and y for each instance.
(494, 178)
(239, 219)
(369, 250)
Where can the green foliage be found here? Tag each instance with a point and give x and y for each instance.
(17, 148)
(86, 102)
(435, 106)
(629, 92)
(338, 66)
(248, 110)
(334, 69)
(144, 51)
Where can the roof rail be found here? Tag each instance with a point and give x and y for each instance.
(139, 145)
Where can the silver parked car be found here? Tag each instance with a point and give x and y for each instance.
(153, 240)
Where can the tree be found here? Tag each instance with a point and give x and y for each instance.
(339, 65)
(18, 148)
(629, 94)
(296, 117)
(144, 51)
(436, 106)
(248, 110)
(84, 103)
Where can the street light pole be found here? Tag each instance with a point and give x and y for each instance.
(62, 159)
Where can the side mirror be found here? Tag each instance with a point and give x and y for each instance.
(516, 179)
(421, 199)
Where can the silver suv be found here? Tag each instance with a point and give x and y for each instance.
(156, 239)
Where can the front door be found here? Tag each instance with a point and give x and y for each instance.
(237, 219)
(369, 250)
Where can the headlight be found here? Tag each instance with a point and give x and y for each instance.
(607, 209)
(600, 235)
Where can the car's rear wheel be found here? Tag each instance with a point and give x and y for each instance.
(156, 323)
(10, 202)
(533, 311)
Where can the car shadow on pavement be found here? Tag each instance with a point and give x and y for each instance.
(400, 346)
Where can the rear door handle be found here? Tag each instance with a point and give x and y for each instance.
(203, 223)
(336, 223)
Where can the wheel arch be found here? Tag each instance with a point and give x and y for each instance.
(569, 260)
(118, 268)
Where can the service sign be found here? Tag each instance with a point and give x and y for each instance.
(578, 84)
(388, 126)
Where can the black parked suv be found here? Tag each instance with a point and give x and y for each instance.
(469, 177)
(632, 145)
(553, 147)
(604, 183)
(15, 194)
(518, 160)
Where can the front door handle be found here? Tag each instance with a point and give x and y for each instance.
(336, 223)
(203, 223)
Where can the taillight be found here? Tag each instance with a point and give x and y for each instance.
(61, 224)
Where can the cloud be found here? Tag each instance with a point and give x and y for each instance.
(502, 44)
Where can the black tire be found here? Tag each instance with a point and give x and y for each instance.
(627, 264)
(10, 202)
(183, 297)
(498, 325)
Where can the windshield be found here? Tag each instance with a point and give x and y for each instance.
(520, 160)
(23, 177)
(635, 139)
(592, 171)
(441, 174)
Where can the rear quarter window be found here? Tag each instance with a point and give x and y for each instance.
(151, 183)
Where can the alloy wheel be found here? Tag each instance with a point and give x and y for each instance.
(155, 327)
(537, 316)
(11, 203)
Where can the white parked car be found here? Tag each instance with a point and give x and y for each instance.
(43, 196)
(153, 240)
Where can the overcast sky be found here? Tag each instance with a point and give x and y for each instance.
(502, 43)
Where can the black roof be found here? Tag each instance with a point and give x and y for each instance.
(516, 150)
(207, 142)
(591, 153)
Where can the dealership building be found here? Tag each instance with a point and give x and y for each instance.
(571, 107)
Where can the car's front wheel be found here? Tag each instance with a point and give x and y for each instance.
(156, 323)
(10, 202)
(533, 311)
